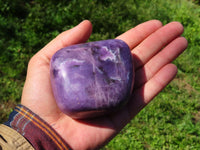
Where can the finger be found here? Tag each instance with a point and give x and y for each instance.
(142, 96)
(137, 34)
(78, 34)
(167, 55)
(155, 42)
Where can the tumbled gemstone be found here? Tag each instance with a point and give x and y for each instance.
(92, 79)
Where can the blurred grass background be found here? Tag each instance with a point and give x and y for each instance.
(171, 121)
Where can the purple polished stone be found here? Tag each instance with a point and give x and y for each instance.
(93, 78)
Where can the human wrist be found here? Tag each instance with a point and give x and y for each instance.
(39, 133)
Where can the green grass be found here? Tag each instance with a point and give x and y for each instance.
(171, 121)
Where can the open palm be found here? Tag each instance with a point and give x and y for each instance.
(153, 46)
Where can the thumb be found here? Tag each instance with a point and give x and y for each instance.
(78, 34)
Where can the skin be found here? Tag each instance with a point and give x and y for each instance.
(153, 47)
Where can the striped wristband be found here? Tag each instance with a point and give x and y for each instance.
(35, 130)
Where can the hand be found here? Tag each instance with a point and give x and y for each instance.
(153, 46)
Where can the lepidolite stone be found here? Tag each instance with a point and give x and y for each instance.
(92, 79)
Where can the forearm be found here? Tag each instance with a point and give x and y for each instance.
(36, 132)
